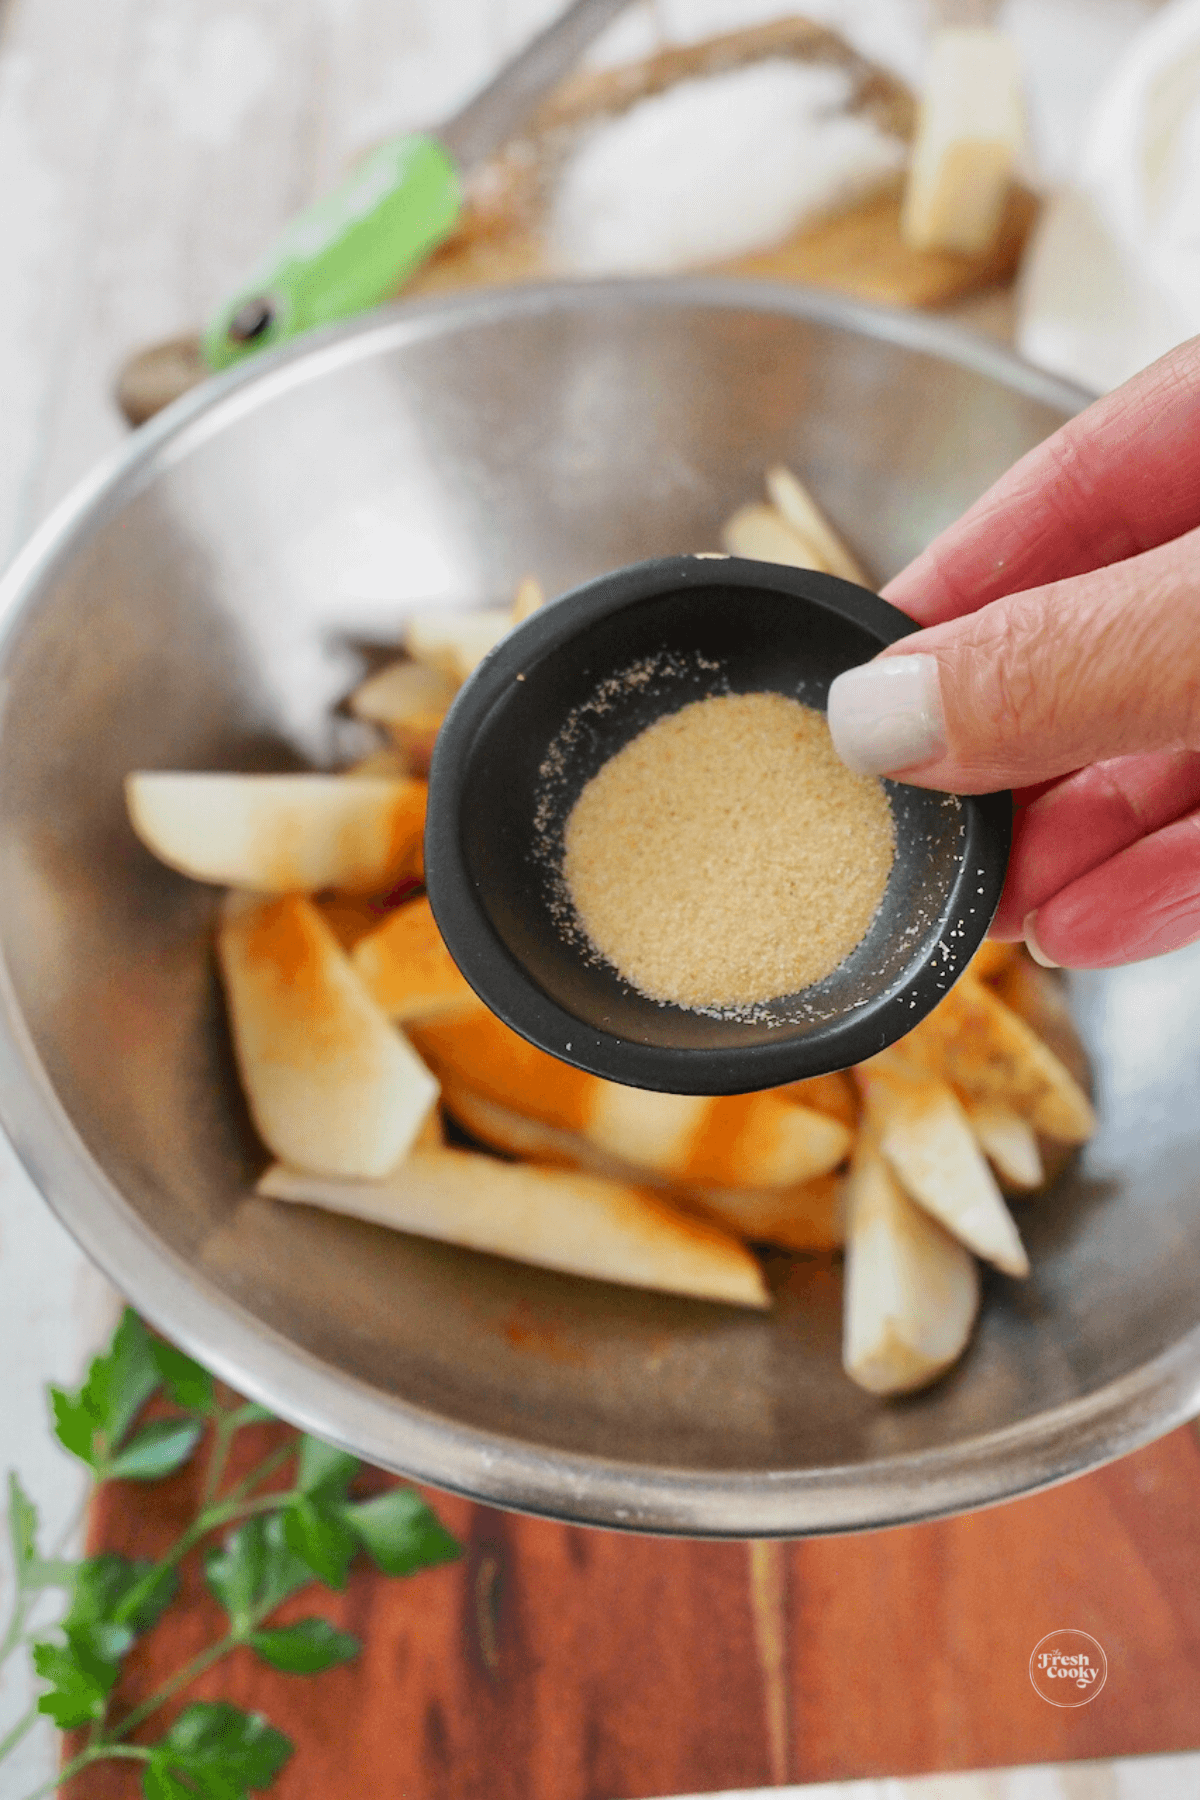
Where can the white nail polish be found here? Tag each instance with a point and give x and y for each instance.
(1029, 931)
(887, 715)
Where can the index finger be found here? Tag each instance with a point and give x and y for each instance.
(1121, 478)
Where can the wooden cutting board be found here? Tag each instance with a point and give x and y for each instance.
(858, 251)
(499, 239)
(556, 1663)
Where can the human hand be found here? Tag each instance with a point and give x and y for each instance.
(1062, 660)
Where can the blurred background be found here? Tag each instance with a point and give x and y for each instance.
(153, 148)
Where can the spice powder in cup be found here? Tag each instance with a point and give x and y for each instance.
(726, 856)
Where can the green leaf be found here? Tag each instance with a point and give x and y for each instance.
(305, 1647)
(284, 1572)
(321, 1538)
(74, 1426)
(121, 1381)
(254, 1570)
(22, 1528)
(30, 1570)
(113, 1601)
(92, 1423)
(324, 1470)
(234, 1572)
(187, 1381)
(251, 1413)
(111, 1590)
(81, 1678)
(399, 1532)
(158, 1783)
(54, 1571)
(106, 1640)
(148, 1595)
(223, 1751)
(159, 1449)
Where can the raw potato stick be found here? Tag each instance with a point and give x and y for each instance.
(281, 834)
(832, 1094)
(527, 599)
(332, 1086)
(1039, 997)
(349, 917)
(989, 1053)
(925, 1136)
(743, 1140)
(806, 1217)
(1009, 1142)
(912, 1291)
(401, 691)
(799, 510)
(407, 969)
(409, 701)
(992, 959)
(389, 760)
(762, 534)
(581, 1224)
(455, 642)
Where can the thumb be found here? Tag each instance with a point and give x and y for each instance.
(1035, 684)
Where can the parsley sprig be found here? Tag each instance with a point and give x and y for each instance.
(259, 1546)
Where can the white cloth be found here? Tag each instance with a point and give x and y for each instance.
(1112, 278)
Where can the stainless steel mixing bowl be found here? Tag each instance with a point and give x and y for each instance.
(203, 601)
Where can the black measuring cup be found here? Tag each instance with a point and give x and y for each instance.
(553, 702)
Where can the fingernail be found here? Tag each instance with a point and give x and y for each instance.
(887, 715)
(1034, 948)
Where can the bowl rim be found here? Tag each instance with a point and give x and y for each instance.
(497, 975)
(1034, 1452)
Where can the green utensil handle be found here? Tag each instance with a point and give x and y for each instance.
(347, 252)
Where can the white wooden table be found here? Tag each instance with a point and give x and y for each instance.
(148, 150)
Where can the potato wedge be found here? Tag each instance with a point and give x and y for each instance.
(389, 761)
(453, 643)
(733, 1140)
(926, 1138)
(480, 1052)
(1039, 996)
(989, 1053)
(741, 1140)
(832, 1094)
(401, 690)
(798, 509)
(281, 834)
(432, 1135)
(912, 1290)
(1009, 1142)
(409, 700)
(350, 917)
(332, 1086)
(527, 599)
(407, 969)
(805, 1217)
(992, 959)
(761, 533)
(504, 1129)
(556, 1218)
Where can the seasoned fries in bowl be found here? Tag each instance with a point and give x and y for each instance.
(358, 1042)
